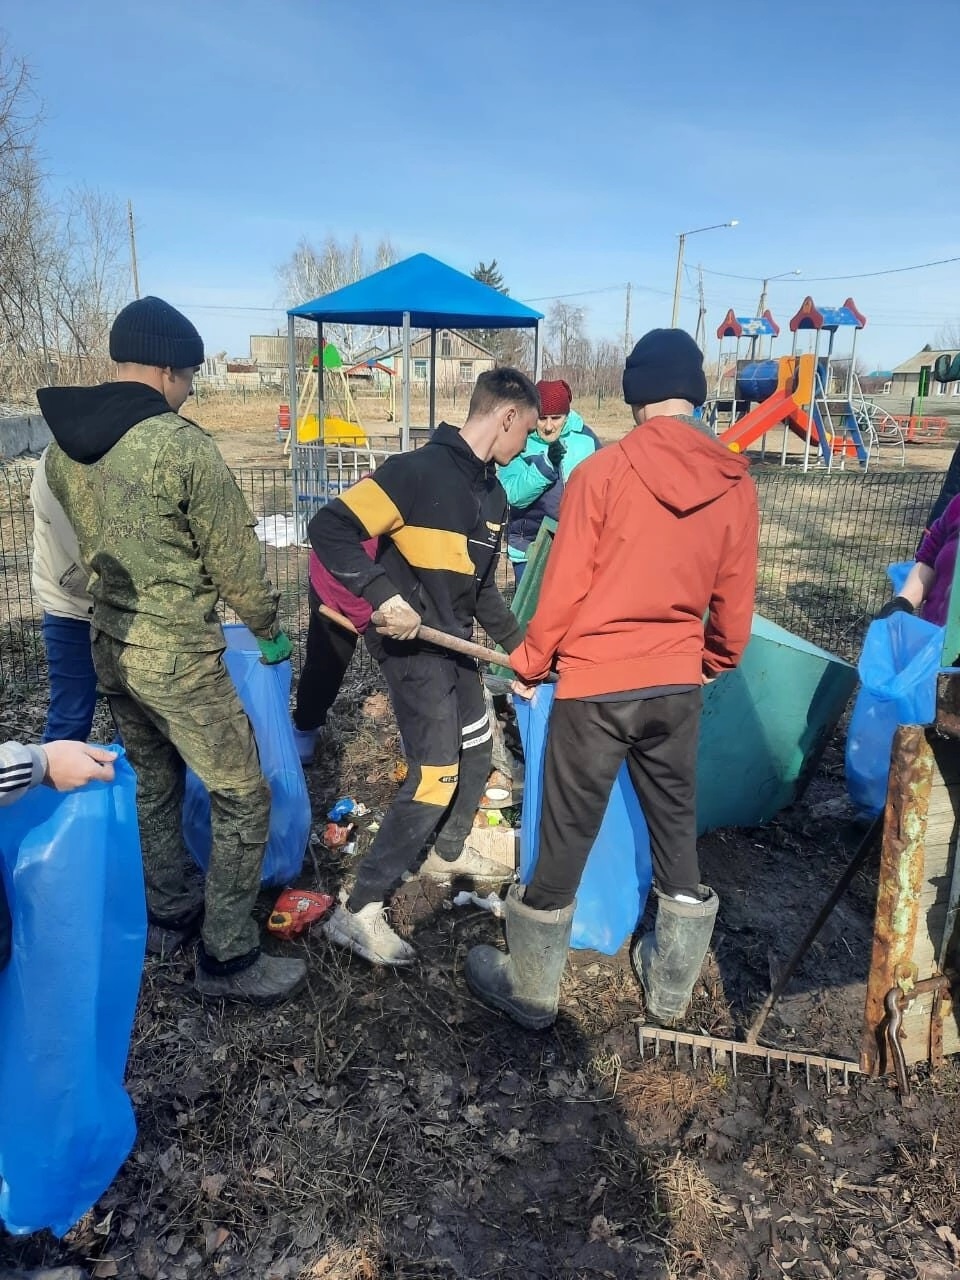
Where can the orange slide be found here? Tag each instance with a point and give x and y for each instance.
(781, 407)
(794, 389)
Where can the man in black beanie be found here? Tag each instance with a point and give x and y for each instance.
(164, 535)
(656, 533)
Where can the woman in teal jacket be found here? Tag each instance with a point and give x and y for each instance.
(535, 480)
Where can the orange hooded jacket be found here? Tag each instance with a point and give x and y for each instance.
(656, 532)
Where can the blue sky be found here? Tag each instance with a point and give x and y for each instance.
(569, 141)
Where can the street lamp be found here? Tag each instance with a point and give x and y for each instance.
(683, 239)
(763, 292)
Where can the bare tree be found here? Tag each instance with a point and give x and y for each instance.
(948, 337)
(88, 284)
(21, 222)
(310, 272)
(61, 267)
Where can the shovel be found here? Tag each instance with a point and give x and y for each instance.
(456, 645)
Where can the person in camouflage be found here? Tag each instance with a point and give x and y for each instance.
(165, 534)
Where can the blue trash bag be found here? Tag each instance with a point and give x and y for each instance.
(898, 574)
(73, 874)
(616, 880)
(898, 673)
(265, 693)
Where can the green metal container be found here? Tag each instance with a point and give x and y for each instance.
(765, 726)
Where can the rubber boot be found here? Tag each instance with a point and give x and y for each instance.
(526, 982)
(668, 959)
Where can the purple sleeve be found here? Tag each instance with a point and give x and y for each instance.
(938, 533)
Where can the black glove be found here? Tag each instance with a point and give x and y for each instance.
(899, 604)
(555, 451)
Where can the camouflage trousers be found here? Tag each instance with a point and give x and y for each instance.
(175, 709)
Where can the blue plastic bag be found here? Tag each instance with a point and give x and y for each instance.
(265, 694)
(616, 880)
(898, 672)
(898, 574)
(72, 870)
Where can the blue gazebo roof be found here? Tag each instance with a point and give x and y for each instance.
(435, 295)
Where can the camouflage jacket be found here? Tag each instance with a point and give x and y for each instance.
(165, 534)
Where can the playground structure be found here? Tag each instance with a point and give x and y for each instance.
(815, 396)
(341, 425)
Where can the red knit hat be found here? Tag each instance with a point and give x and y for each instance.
(555, 397)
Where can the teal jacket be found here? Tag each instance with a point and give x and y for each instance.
(534, 488)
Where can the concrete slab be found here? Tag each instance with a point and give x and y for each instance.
(23, 433)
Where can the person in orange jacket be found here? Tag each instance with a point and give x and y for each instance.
(656, 533)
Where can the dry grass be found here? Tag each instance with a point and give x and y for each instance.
(696, 1212)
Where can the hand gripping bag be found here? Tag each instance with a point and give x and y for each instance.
(72, 871)
(265, 693)
(898, 674)
(616, 879)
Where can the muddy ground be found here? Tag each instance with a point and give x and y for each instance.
(387, 1125)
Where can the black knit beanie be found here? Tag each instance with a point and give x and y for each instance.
(150, 331)
(666, 364)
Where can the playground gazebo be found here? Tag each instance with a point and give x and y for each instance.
(417, 293)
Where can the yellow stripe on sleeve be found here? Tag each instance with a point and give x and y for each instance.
(373, 508)
(434, 549)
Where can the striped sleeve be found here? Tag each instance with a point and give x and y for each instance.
(21, 768)
(374, 507)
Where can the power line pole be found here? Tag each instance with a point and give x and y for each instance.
(133, 250)
(700, 336)
(626, 326)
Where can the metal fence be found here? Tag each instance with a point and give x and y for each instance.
(825, 542)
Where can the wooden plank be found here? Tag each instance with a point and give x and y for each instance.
(498, 843)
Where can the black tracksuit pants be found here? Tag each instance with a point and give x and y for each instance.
(442, 717)
(587, 743)
(329, 650)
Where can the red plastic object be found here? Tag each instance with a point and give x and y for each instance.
(295, 910)
(336, 835)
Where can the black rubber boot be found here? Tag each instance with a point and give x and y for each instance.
(526, 982)
(668, 960)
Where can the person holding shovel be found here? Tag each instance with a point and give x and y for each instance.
(439, 514)
(657, 533)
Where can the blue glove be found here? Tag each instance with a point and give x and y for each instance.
(279, 649)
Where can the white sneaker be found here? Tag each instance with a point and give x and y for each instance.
(470, 864)
(368, 933)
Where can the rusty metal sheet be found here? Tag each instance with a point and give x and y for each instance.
(901, 878)
(916, 919)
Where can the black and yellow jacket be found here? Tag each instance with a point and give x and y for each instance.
(439, 513)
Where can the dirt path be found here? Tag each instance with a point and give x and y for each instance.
(246, 430)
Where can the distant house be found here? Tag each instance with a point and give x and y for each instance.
(268, 351)
(460, 360)
(905, 378)
(877, 382)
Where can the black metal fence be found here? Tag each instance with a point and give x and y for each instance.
(825, 542)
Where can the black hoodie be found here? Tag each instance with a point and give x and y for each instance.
(87, 422)
(439, 513)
